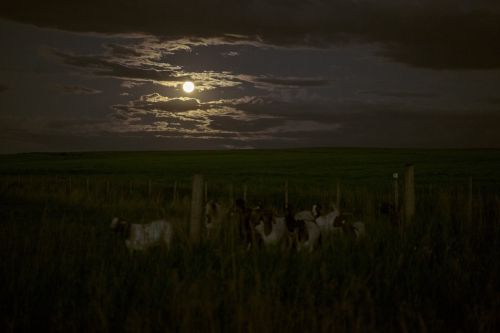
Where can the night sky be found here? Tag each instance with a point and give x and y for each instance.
(108, 75)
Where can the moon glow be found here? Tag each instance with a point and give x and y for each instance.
(188, 86)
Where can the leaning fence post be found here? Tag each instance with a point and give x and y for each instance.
(196, 209)
(409, 192)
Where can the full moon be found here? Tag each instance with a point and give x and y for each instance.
(188, 86)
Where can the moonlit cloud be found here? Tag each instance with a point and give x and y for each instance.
(136, 66)
(211, 119)
(131, 84)
(136, 70)
(101, 65)
(230, 54)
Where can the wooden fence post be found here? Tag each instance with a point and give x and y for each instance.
(469, 202)
(231, 194)
(205, 196)
(196, 209)
(286, 194)
(409, 193)
(174, 194)
(337, 202)
(395, 176)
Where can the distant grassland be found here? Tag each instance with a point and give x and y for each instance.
(308, 171)
(311, 166)
(62, 269)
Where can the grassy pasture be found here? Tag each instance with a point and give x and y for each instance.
(62, 269)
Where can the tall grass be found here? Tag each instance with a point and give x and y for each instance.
(63, 270)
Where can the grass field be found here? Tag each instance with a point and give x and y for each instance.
(62, 268)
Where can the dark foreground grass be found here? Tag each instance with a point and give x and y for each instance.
(62, 269)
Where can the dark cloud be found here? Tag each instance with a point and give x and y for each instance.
(293, 81)
(410, 128)
(303, 111)
(122, 51)
(29, 140)
(390, 124)
(435, 34)
(378, 127)
(492, 101)
(76, 90)
(244, 126)
(74, 125)
(399, 94)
